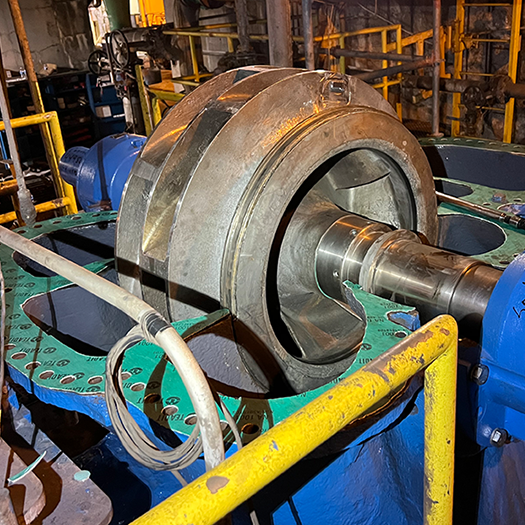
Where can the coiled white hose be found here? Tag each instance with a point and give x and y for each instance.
(157, 330)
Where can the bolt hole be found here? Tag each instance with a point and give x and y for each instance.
(32, 365)
(96, 215)
(95, 380)
(486, 204)
(516, 255)
(68, 379)
(517, 199)
(22, 231)
(152, 398)
(46, 374)
(10, 347)
(8, 290)
(76, 218)
(125, 376)
(400, 334)
(137, 387)
(191, 419)
(504, 262)
(336, 274)
(170, 410)
(19, 355)
(57, 222)
(250, 428)
(37, 226)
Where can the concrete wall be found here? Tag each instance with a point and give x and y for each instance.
(58, 33)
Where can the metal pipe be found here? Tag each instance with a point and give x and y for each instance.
(243, 24)
(149, 319)
(450, 85)
(279, 17)
(394, 70)
(27, 209)
(338, 52)
(308, 33)
(507, 218)
(215, 494)
(436, 73)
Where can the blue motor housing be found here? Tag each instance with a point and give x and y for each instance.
(100, 172)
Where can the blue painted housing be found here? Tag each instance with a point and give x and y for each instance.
(99, 173)
(501, 397)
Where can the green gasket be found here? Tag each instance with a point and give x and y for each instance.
(152, 385)
(514, 242)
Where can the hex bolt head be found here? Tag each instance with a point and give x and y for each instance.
(499, 437)
(479, 374)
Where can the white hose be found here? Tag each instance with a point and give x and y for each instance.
(158, 328)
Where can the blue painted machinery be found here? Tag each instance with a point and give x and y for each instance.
(100, 172)
(270, 217)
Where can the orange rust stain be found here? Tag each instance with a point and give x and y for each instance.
(424, 336)
(444, 331)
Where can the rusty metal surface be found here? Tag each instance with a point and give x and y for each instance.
(68, 501)
(27, 494)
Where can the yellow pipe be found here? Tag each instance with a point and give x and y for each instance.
(384, 43)
(515, 45)
(342, 60)
(194, 62)
(458, 64)
(216, 34)
(399, 50)
(143, 14)
(40, 208)
(146, 114)
(412, 39)
(215, 494)
(157, 115)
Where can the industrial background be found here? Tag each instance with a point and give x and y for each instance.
(262, 262)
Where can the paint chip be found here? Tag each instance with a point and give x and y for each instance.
(274, 445)
(216, 483)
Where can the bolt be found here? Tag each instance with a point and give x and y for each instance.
(499, 197)
(499, 437)
(337, 86)
(479, 374)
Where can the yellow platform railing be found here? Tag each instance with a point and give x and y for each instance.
(432, 348)
(65, 192)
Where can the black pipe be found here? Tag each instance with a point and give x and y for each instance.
(387, 71)
(337, 52)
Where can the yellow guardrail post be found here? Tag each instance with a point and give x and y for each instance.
(459, 28)
(218, 492)
(65, 190)
(440, 428)
(515, 46)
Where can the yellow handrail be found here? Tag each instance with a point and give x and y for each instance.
(433, 347)
(66, 194)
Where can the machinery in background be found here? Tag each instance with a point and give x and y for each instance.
(118, 57)
(286, 223)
